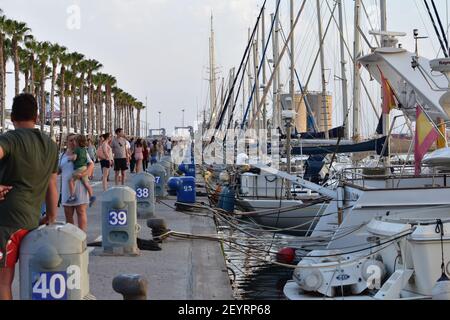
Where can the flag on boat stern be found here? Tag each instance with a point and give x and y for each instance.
(389, 102)
(426, 135)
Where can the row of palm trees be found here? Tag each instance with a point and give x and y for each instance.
(90, 101)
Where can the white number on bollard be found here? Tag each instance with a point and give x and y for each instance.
(118, 218)
(157, 179)
(188, 189)
(142, 193)
(49, 286)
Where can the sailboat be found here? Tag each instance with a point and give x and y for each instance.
(399, 221)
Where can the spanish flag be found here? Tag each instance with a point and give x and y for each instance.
(426, 135)
(389, 102)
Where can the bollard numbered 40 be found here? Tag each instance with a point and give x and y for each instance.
(55, 285)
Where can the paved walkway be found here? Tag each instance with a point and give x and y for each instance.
(183, 270)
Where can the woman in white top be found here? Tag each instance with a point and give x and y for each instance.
(66, 171)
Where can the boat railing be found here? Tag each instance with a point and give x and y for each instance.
(392, 176)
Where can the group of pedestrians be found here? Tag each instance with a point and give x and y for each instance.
(30, 167)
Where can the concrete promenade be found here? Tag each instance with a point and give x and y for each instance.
(182, 270)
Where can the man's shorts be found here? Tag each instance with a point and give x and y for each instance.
(120, 164)
(80, 171)
(10, 240)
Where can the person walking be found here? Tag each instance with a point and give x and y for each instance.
(146, 155)
(105, 155)
(154, 152)
(121, 159)
(66, 169)
(92, 150)
(29, 167)
(139, 155)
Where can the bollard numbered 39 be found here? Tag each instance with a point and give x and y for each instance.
(144, 186)
(119, 222)
(54, 264)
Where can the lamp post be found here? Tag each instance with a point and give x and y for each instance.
(159, 112)
(182, 121)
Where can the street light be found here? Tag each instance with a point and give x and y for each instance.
(159, 112)
(182, 121)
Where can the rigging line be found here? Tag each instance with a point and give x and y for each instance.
(370, 23)
(436, 52)
(269, 84)
(372, 104)
(247, 52)
(302, 89)
(260, 69)
(440, 23)
(436, 29)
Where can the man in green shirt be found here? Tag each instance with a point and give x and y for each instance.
(28, 167)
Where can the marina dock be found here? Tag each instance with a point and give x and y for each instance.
(182, 270)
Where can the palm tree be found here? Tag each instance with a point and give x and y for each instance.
(43, 56)
(64, 60)
(54, 51)
(76, 65)
(24, 67)
(99, 80)
(82, 67)
(17, 31)
(33, 47)
(110, 82)
(92, 66)
(139, 107)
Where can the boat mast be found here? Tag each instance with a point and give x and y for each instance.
(256, 113)
(263, 66)
(212, 72)
(232, 99)
(322, 67)
(343, 72)
(357, 74)
(291, 106)
(384, 43)
(276, 105)
(250, 84)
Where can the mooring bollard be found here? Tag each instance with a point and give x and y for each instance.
(131, 286)
(159, 228)
(54, 264)
(119, 222)
(144, 186)
(160, 174)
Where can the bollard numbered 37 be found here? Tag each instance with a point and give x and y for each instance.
(160, 174)
(144, 186)
(119, 222)
(54, 264)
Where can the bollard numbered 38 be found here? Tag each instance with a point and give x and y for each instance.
(119, 222)
(144, 186)
(54, 264)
